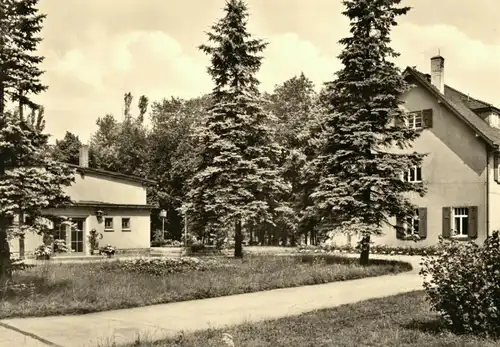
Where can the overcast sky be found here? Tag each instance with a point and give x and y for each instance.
(96, 50)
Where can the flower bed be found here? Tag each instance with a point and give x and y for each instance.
(374, 249)
(163, 266)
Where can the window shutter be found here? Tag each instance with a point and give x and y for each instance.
(422, 222)
(399, 228)
(495, 167)
(446, 222)
(473, 222)
(427, 118)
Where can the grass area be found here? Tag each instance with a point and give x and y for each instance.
(57, 289)
(402, 320)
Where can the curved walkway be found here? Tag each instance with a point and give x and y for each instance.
(160, 321)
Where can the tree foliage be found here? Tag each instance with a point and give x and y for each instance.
(122, 146)
(237, 180)
(30, 180)
(294, 103)
(20, 74)
(173, 154)
(360, 188)
(67, 150)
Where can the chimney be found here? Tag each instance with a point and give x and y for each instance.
(84, 156)
(437, 72)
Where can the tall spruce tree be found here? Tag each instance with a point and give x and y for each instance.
(29, 180)
(238, 181)
(20, 22)
(362, 157)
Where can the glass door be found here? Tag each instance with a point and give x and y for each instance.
(77, 235)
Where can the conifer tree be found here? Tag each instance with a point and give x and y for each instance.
(29, 180)
(362, 158)
(20, 74)
(237, 180)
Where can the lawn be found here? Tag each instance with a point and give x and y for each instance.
(56, 289)
(402, 320)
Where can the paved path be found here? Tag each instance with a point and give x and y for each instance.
(160, 321)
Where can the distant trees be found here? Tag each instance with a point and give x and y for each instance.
(122, 146)
(67, 150)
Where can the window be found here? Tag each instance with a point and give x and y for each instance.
(412, 225)
(414, 174)
(494, 120)
(460, 221)
(10, 220)
(108, 224)
(29, 220)
(414, 120)
(125, 224)
(421, 119)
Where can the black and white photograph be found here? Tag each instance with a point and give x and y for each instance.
(249, 173)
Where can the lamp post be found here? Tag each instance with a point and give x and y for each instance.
(163, 215)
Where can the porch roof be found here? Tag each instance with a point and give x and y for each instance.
(100, 204)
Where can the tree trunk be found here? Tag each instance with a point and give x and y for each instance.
(238, 247)
(2, 96)
(5, 265)
(251, 235)
(21, 108)
(21, 246)
(365, 251)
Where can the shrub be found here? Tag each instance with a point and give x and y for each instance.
(374, 249)
(43, 252)
(94, 238)
(196, 246)
(108, 250)
(191, 238)
(60, 246)
(18, 264)
(462, 284)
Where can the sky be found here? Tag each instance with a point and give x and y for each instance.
(97, 50)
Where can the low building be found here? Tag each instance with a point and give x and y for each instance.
(111, 203)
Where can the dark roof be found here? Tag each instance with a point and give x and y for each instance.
(454, 101)
(100, 204)
(111, 174)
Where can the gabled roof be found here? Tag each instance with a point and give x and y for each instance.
(112, 174)
(454, 101)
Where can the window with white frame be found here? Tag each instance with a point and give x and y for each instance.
(108, 224)
(414, 120)
(412, 224)
(414, 174)
(460, 221)
(125, 224)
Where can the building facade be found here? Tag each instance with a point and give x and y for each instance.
(460, 136)
(113, 204)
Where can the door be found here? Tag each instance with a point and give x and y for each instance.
(77, 235)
